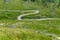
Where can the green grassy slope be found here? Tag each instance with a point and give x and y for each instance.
(20, 34)
(12, 4)
(50, 11)
(30, 30)
(21, 4)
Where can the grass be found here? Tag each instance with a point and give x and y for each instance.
(44, 13)
(47, 11)
(29, 30)
(20, 34)
(10, 4)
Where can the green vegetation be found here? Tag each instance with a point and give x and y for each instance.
(29, 30)
(12, 29)
(48, 8)
(19, 34)
(21, 4)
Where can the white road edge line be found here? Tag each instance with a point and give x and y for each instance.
(20, 16)
(43, 19)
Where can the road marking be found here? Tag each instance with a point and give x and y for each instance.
(44, 19)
